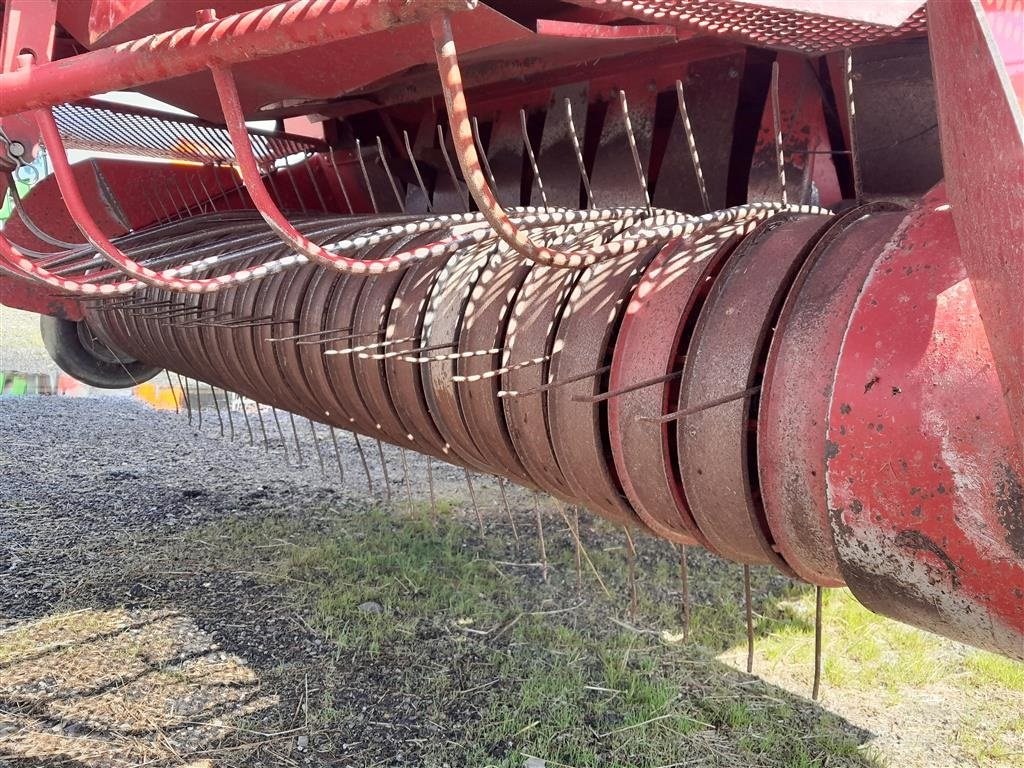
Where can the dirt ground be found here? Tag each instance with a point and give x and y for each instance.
(169, 596)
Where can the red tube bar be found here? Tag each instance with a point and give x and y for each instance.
(255, 34)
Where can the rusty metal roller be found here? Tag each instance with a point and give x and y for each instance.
(688, 389)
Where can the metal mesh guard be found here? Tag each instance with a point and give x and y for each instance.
(101, 127)
(773, 28)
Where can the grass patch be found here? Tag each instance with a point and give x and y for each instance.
(505, 666)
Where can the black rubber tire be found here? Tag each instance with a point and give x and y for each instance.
(105, 369)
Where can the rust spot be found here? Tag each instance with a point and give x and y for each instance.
(1010, 507)
(870, 383)
(920, 542)
(845, 409)
(896, 391)
(831, 450)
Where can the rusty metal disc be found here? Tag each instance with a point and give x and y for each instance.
(582, 348)
(369, 323)
(442, 326)
(404, 329)
(792, 420)
(528, 341)
(484, 327)
(339, 367)
(717, 443)
(652, 339)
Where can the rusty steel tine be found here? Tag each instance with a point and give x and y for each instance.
(157, 219)
(430, 484)
(180, 312)
(167, 215)
(579, 549)
(750, 392)
(231, 420)
(181, 195)
(634, 150)
(185, 397)
(316, 445)
(472, 496)
(583, 550)
(851, 121)
(200, 205)
(209, 195)
(391, 178)
(337, 453)
(416, 171)
(384, 471)
(540, 536)
(406, 481)
(484, 161)
(390, 355)
(174, 208)
(341, 184)
(780, 158)
(298, 194)
(631, 575)
(626, 390)
(532, 157)
(508, 509)
(199, 407)
(691, 145)
(245, 416)
(552, 384)
(174, 394)
(216, 405)
(295, 434)
(305, 335)
(499, 371)
(684, 586)
(578, 151)
(346, 337)
(816, 687)
(280, 433)
(749, 608)
(263, 427)
(273, 186)
(316, 187)
(366, 177)
(358, 350)
(366, 466)
(192, 322)
(463, 195)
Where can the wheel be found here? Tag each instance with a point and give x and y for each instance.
(80, 353)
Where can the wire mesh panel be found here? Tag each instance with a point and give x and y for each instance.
(101, 127)
(772, 27)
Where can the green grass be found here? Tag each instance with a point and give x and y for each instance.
(508, 666)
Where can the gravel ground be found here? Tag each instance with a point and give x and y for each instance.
(89, 484)
(124, 641)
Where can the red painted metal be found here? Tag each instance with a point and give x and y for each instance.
(925, 477)
(985, 179)
(792, 415)
(263, 32)
(16, 292)
(809, 170)
(28, 25)
(121, 196)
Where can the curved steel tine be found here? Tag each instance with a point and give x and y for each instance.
(391, 178)
(691, 145)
